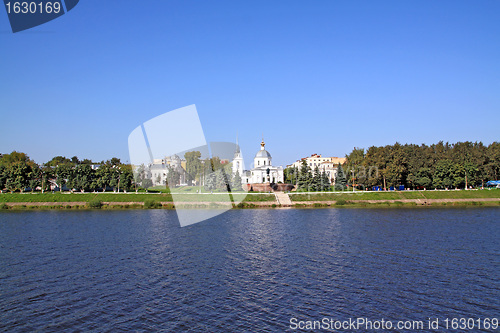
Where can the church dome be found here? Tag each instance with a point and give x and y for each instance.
(263, 153)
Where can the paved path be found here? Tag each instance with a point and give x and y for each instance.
(283, 199)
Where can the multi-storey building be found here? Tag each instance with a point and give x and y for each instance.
(324, 164)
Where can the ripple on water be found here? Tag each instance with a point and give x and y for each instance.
(246, 270)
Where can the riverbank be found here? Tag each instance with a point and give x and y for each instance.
(129, 197)
(18, 201)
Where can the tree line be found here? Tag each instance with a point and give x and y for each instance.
(307, 179)
(441, 165)
(18, 173)
(213, 173)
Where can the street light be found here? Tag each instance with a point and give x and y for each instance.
(352, 179)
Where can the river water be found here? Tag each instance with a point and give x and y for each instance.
(255, 270)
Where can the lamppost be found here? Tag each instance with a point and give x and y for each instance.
(466, 179)
(352, 179)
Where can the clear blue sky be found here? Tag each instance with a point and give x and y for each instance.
(313, 76)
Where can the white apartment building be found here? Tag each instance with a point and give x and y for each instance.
(325, 164)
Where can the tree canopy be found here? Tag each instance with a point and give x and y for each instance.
(441, 165)
(18, 172)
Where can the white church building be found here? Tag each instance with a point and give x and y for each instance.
(263, 171)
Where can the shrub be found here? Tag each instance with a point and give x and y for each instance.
(339, 187)
(96, 203)
(340, 202)
(4, 206)
(151, 204)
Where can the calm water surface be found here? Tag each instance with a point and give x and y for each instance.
(246, 270)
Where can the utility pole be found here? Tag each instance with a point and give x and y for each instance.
(352, 179)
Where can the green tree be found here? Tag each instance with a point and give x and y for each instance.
(3, 176)
(115, 174)
(48, 174)
(114, 161)
(468, 170)
(356, 157)
(222, 180)
(14, 157)
(16, 171)
(62, 174)
(305, 176)
(18, 175)
(127, 177)
(325, 182)
(194, 167)
(147, 183)
(492, 162)
(356, 162)
(340, 179)
(376, 160)
(142, 176)
(35, 177)
(444, 174)
(236, 182)
(412, 165)
(398, 165)
(173, 177)
(289, 174)
(316, 180)
(82, 177)
(210, 181)
(423, 177)
(58, 160)
(104, 176)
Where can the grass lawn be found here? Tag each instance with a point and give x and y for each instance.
(250, 197)
(128, 197)
(495, 193)
(253, 197)
(85, 197)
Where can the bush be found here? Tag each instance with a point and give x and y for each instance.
(340, 202)
(339, 187)
(151, 204)
(4, 206)
(97, 204)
